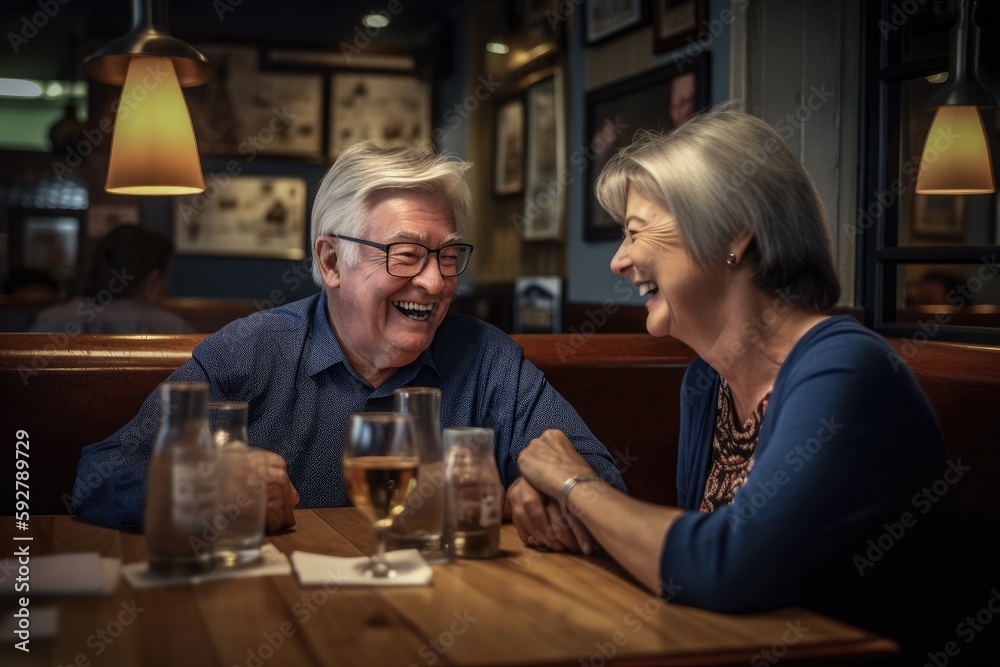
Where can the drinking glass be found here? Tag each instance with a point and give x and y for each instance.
(228, 422)
(380, 471)
(241, 513)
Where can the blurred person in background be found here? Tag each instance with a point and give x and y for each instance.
(128, 275)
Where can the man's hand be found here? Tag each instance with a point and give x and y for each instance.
(539, 522)
(281, 495)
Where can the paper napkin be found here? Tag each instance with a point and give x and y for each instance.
(44, 625)
(319, 570)
(273, 562)
(83, 573)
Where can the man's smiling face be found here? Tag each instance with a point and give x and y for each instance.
(384, 322)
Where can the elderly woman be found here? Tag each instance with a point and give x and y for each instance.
(807, 447)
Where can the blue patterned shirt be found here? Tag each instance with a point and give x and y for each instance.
(288, 365)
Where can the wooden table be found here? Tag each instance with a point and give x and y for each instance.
(522, 608)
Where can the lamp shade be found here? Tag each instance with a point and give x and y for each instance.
(153, 150)
(956, 157)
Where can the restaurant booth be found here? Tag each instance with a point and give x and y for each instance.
(537, 95)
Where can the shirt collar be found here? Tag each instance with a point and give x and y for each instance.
(323, 351)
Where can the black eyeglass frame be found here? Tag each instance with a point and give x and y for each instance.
(384, 247)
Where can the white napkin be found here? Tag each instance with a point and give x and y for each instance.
(272, 562)
(319, 570)
(83, 573)
(44, 625)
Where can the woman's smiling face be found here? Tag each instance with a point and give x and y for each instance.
(653, 254)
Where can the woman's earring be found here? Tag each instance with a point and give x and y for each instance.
(731, 260)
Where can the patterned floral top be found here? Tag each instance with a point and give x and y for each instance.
(733, 447)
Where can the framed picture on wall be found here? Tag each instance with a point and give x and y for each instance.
(657, 100)
(251, 216)
(393, 108)
(676, 21)
(47, 240)
(538, 304)
(608, 18)
(544, 193)
(940, 217)
(244, 110)
(508, 166)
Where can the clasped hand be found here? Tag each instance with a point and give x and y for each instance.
(546, 463)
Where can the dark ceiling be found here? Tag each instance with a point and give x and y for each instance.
(51, 47)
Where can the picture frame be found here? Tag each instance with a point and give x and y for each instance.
(605, 19)
(614, 113)
(939, 217)
(538, 304)
(48, 240)
(249, 216)
(545, 159)
(508, 143)
(392, 108)
(676, 21)
(247, 111)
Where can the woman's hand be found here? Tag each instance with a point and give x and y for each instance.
(549, 460)
(552, 460)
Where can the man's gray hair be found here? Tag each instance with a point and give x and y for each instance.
(342, 205)
(724, 171)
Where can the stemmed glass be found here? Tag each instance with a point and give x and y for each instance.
(380, 470)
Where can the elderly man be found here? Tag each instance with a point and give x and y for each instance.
(387, 230)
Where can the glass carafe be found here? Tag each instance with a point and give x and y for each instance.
(182, 483)
(421, 524)
(475, 492)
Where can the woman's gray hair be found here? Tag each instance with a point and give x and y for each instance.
(724, 171)
(366, 168)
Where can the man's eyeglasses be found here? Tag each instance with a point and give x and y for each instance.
(406, 259)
